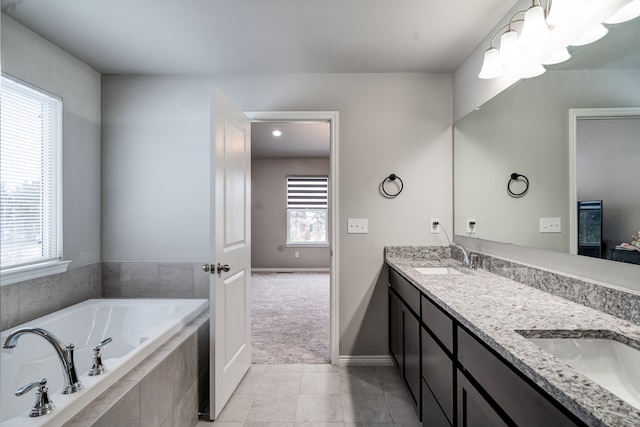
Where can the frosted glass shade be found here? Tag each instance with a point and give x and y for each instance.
(491, 67)
(534, 71)
(558, 57)
(561, 11)
(626, 13)
(509, 48)
(596, 33)
(534, 29)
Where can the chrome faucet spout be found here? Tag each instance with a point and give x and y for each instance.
(467, 261)
(65, 354)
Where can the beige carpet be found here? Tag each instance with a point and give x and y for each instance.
(290, 318)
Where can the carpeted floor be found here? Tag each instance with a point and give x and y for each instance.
(290, 318)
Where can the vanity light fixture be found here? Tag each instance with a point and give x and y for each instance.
(276, 133)
(546, 29)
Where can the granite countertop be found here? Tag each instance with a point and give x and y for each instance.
(494, 308)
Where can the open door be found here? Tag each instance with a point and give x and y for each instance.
(230, 280)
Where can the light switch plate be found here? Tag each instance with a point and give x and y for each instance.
(357, 226)
(550, 225)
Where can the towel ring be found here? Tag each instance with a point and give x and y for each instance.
(516, 177)
(388, 179)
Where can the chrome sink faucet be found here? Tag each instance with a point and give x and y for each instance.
(65, 353)
(468, 261)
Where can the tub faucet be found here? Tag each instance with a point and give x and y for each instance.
(65, 353)
(468, 261)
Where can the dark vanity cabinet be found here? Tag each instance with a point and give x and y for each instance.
(454, 378)
(438, 367)
(500, 390)
(404, 332)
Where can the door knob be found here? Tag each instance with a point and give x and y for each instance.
(224, 268)
(206, 267)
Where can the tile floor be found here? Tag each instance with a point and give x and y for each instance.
(318, 396)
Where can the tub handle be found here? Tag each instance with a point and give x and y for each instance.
(43, 405)
(102, 344)
(98, 367)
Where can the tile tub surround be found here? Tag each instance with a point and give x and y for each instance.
(164, 390)
(154, 280)
(494, 307)
(24, 301)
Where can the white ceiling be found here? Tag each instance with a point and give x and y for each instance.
(262, 36)
(298, 139)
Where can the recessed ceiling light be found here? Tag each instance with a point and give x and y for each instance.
(276, 133)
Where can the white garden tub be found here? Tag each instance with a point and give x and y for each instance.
(137, 326)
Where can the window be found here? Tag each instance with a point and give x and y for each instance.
(307, 202)
(30, 181)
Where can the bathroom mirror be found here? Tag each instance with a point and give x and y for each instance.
(526, 130)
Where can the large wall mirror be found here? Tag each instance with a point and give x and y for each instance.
(574, 132)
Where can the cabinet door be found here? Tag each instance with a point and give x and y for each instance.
(395, 330)
(438, 372)
(522, 403)
(432, 415)
(473, 409)
(412, 355)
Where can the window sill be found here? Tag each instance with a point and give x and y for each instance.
(34, 271)
(306, 245)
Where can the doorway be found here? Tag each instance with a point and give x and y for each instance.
(596, 134)
(288, 267)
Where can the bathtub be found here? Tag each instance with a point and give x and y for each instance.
(137, 326)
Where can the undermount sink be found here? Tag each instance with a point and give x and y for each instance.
(437, 270)
(609, 363)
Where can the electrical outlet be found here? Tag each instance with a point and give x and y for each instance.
(435, 225)
(471, 225)
(550, 225)
(357, 226)
(296, 254)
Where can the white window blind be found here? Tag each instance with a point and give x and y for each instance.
(307, 203)
(307, 192)
(30, 175)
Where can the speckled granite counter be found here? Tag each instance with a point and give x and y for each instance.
(494, 308)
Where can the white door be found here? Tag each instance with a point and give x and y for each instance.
(230, 285)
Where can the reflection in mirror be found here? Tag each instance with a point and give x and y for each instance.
(527, 129)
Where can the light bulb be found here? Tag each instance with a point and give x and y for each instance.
(626, 13)
(534, 29)
(491, 67)
(509, 48)
(276, 133)
(594, 34)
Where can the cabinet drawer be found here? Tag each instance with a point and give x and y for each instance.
(438, 371)
(519, 400)
(409, 293)
(438, 322)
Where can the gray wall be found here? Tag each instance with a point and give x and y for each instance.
(606, 152)
(269, 214)
(156, 169)
(31, 58)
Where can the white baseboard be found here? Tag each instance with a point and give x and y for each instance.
(290, 270)
(381, 360)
